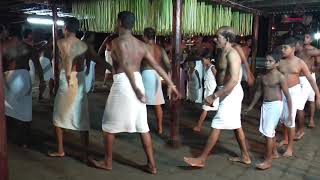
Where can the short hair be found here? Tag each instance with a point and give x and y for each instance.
(72, 24)
(229, 33)
(275, 54)
(290, 41)
(127, 19)
(149, 33)
(207, 54)
(26, 32)
(15, 30)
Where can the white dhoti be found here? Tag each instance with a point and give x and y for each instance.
(90, 76)
(18, 97)
(269, 118)
(124, 112)
(307, 93)
(152, 86)
(71, 104)
(295, 93)
(229, 113)
(215, 106)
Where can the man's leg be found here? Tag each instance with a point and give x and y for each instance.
(285, 140)
(84, 135)
(159, 116)
(300, 130)
(312, 111)
(105, 164)
(200, 161)
(201, 120)
(289, 150)
(268, 158)
(147, 146)
(59, 137)
(241, 139)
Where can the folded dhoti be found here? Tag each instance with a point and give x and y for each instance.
(307, 93)
(152, 86)
(295, 93)
(124, 112)
(71, 104)
(269, 118)
(229, 113)
(18, 97)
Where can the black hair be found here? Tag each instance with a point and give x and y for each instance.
(228, 33)
(15, 30)
(127, 19)
(207, 54)
(275, 54)
(149, 33)
(72, 24)
(26, 32)
(290, 41)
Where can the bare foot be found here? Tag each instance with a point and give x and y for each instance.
(56, 154)
(195, 162)
(99, 164)
(311, 125)
(299, 136)
(264, 165)
(240, 160)
(288, 153)
(160, 132)
(282, 143)
(150, 169)
(197, 129)
(275, 156)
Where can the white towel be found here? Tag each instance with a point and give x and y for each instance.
(295, 93)
(71, 104)
(153, 88)
(123, 111)
(18, 97)
(269, 118)
(307, 93)
(228, 115)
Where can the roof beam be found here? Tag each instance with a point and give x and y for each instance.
(264, 4)
(237, 6)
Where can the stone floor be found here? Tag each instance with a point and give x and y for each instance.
(33, 163)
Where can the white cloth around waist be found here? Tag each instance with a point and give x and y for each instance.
(152, 86)
(18, 96)
(123, 111)
(307, 93)
(269, 118)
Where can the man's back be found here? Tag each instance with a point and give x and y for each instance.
(16, 55)
(129, 51)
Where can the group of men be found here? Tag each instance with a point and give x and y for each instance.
(131, 91)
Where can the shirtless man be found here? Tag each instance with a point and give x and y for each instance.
(71, 105)
(125, 110)
(231, 94)
(17, 80)
(292, 67)
(307, 53)
(151, 79)
(270, 85)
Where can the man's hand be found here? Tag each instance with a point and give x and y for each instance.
(209, 100)
(139, 95)
(173, 89)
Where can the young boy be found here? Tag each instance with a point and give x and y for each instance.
(271, 84)
(194, 82)
(210, 85)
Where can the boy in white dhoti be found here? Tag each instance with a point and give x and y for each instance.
(230, 95)
(71, 104)
(210, 85)
(292, 67)
(151, 79)
(126, 109)
(270, 85)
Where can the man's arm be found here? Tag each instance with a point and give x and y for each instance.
(244, 61)
(313, 52)
(92, 54)
(257, 94)
(213, 70)
(285, 90)
(234, 70)
(103, 46)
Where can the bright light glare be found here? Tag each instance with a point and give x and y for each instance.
(317, 36)
(44, 21)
